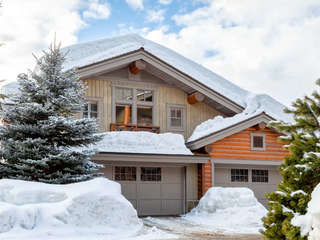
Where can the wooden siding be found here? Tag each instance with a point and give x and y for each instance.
(238, 146)
(101, 88)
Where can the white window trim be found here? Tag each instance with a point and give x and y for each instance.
(134, 103)
(263, 141)
(99, 102)
(184, 117)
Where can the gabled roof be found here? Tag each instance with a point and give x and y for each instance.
(220, 92)
(218, 128)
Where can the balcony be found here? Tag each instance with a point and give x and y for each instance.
(133, 127)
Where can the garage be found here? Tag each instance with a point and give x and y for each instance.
(259, 178)
(156, 185)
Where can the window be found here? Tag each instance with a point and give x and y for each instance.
(133, 106)
(150, 174)
(125, 173)
(90, 109)
(258, 141)
(260, 175)
(176, 117)
(239, 175)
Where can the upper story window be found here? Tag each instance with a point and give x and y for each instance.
(176, 117)
(90, 109)
(133, 106)
(258, 141)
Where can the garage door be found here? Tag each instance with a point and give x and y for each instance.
(261, 179)
(152, 190)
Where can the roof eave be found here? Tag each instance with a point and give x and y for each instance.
(110, 64)
(230, 130)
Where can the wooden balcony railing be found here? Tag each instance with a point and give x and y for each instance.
(133, 127)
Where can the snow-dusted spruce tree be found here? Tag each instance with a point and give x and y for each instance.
(300, 171)
(42, 140)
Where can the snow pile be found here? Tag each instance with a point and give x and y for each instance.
(256, 104)
(310, 222)
(93, 206)
(233, 210)
(142, 142)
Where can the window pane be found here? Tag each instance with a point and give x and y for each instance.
(125, 173)
(94, 107)
(176, 122)
(257, 141)
(124, 94)
(150, 174)
(260, 175)
(94, 115)
(144, 115)
(121, 112)
(144, 95)
(239, 175)
(176, 119)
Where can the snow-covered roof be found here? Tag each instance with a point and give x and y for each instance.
(142, 142)
(80, 55)
(257, 104)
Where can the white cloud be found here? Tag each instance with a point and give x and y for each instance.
(135, 4)
(263, 48)
(155, 15)
(28, 27)
(97, 10)
(165, 2)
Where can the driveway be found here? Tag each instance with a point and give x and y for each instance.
(177, 228)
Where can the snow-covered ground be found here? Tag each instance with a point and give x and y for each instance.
(310, 222)
(142, 142)
(96, 210)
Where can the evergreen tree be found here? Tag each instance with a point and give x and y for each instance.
(42, 141)
(300, 171)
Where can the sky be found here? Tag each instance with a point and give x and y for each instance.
(264, 46)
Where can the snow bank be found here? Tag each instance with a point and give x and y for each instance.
(93, 206)
(142, 142)
(310, 222)
(233, 210)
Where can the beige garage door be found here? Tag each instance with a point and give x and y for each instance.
(261, 179)
(152, 190)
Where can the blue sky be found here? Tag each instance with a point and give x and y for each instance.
(263, 46)
(124, 18)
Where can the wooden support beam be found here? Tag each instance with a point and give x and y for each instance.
(137, 66)
(126, 116)
(195, 98)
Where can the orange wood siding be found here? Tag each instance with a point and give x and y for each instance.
(238, 146)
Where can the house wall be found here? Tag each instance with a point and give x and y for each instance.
(101, 88)
(238, 146)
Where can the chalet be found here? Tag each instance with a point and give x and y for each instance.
(137, 85)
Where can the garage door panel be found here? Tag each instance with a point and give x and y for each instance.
(149, 207)
(171, 191)
(171, 175)
(171, 207)
(129, 190)
(149, 191)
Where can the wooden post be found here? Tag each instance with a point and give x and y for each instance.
(195, 97)
(137, 66)
(126, 116)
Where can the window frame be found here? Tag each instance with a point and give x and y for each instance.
(183, 115)
(261, 176)
(99, 109)
(136, 174)
(156, 175)
(134, 103)
(263, 141)
(235, 181)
